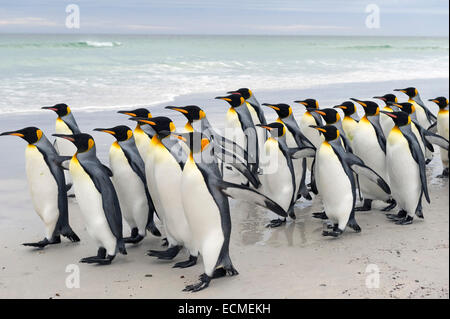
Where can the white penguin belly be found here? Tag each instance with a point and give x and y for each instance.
(90, 201)
(65, 147)
(203, 216)
(386, 122)
(366, 146)
(167, 173)
(234, 132)
(43, 189)
(333, 185)
(442, 127)
(142, 142)
(311, 134)
(403, 172)
(349, 126)
(130, 190)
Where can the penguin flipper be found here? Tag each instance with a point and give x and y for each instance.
(430, 116)
(249, 195)
(62, 161)
(436, 139)
(433, 128)
(301, 152)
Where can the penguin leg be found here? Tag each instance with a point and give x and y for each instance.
(336, 232)
(419, 211)
(320, 215)
(151, 227)
(168, 254)
(408, 220)
(101, 254)
(44, 242)
(276, 223)
(401, 214)
(366, 206)
(444, 174)
(188, 263)
(165, 242)
(392, 205)
(354, 225)
(134, 238)
(204, 283)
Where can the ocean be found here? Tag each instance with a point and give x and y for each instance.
(92, 72)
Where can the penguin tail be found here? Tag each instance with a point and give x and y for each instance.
(69, 234)
(121, 246)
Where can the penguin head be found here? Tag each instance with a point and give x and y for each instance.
(245, 92)
(400, 118)
(330, 116)
(441, 101)
(348, 107)
(330, 132)
(276, 129)
(196, 141)
(283, 110)
(370, 108)
(83, 142)
(235, 99)
(405, 107)
(387, 98)
(141, 112)
(411, 92)
(121, 132)
(309, 103)
(30, 134)
(161, 124)
(61, 109)
(191, 112)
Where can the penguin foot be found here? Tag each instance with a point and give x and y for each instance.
(133, 240)
(151, 227)
(231, 271)
(401, 214)
(276, 223)
(101, 254)
(366, 206)
(168, 254)
(408, 220)
(44, 242)
(292, 215)
(392, 205)
(320, 215)
(204, 283)
(419, 214)
(334, 233)
(354, 225)
(98, 260)
(186, 264)
(71, 236)
(165, 242)
(444, 174)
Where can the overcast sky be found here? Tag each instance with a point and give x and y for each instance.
(315, 17)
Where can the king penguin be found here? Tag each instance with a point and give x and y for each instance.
(65, 124)
(47, 186)
(332, 117)
(350, 120)
(205, 200)
(310, 118)
(335, 170)
(163, 169)
(385, 121)
(129, 180)
(369, 144)
(141, 138)
(442, 129)
(97, 199)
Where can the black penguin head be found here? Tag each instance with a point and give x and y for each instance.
(411, 92)
(441, 101)
(348, 107)
(196, 141)
(84, 142)
(121, 132)
(245, 92)
(29, 134)
(191, 112)
(283, 110)
(330, 116)
(61, 109)
(400, 118)
(235, 99)
(141, 112)
(387, 98)
(405, 107)
(330, 132)
(161, 124)
(276, 129)
(370, 108)
(309, 103)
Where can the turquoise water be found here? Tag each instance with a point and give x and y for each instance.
(103, 71)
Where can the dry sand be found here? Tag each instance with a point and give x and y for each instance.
(293, 261)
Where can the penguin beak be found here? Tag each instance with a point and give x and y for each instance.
(232, 92)
(13, 133)
(318, 128)
(66, 137)
(181, 110)
(129, 113)
(397, 105)
(435, 101)
(319, 112)
(389, 114)
(105, 130)
(301, 102)
(271, 106)
(143, 120)
(380, 98)
(265, 126)
(179, 137)
(343, 107)
(223, 98)
(52, 108)
(359, 102)
(400, 90)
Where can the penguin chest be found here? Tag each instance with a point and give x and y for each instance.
(90, 201)
(333, 184)
(366, 146)
(42, 185)
(349, 126)
(442, 123)
(421, 115)
(64, 147)
(312, 134)
(386, 122)
(130, 188)
(201, 210)
(253, 113)
(142, 141)
(233, 130)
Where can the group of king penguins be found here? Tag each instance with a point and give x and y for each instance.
(184, 177)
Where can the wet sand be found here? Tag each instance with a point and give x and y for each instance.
(293, 261)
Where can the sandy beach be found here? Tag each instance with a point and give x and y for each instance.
(293, 261)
